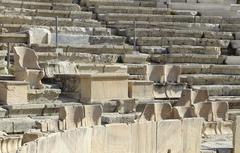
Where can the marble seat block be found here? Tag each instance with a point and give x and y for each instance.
(156, 112)
(71, 116)
(190, 96)
(27, 67)
(92, 115)
(163, 73)
(140, 89)
(13, 92)
(180, 112)
(103, 86)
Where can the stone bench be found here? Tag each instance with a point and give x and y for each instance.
(156, 32)
(170, 25)
(94, 3)
(168, 41)
(210, 69)
(140, 89)
(48, 13)
(40, 5)
(164, 18)
(220, 90)
(188, 58)
(210, 79)
(47, 21)
(13, 38)
(92, 49)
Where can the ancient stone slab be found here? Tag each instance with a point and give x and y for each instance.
(92, 115)
(156, 112)
(72, 116)
(31, 136)
(140, 89)
(125, 106)
(147, 138)
(169, 136)
(181, 112)
(190, 96)
(13, 92)
(98, 139)
(103, 86)
(134, 58)
(236, 133)
(38, 35)
(118, 142)
(192, 134)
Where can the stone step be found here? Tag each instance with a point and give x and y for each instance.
(157, 32)
(210, 69)
(220, 90)
(183, 49)
(76, 40)
(233, 101)
(14, 28)
(45, 1)
(95, 3)
(188, 58)
(210, 79)
(67, 67)
(91, 49)
(102, 9)
(47, 13)
(168, 41)
(232, 113)
(194, 50)
(78, 57)
(167, 18)
(169, 25)
(31, 110)
(13, 38)
(40, 5)
(46, 21)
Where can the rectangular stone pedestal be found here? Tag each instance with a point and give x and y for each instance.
(140, 89)
(103, 86)
(13, 92)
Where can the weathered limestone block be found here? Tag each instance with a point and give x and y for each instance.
(125, 106)
(38, 35)
(140, 89)
(31, 136)
(98, 139)
(109, 118)
(118, 138)
(72, 116)
(204, 110)
(169, 136)
(181, 112)
(163, 73)
(27, 67)
(103, 86)
(220, 110)
(232, 60)
(146, 137)
(134, 58)
(170, 90)
(192, 134)
(190, 96)
(156, 112)
(92, 115)
(13, 92)
(236, 134)
(10, 144)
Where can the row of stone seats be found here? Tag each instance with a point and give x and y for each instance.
(214, 114)
(40, 5)
(46, 13)
(47, 1)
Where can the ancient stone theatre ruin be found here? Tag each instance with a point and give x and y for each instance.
(120, 76)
